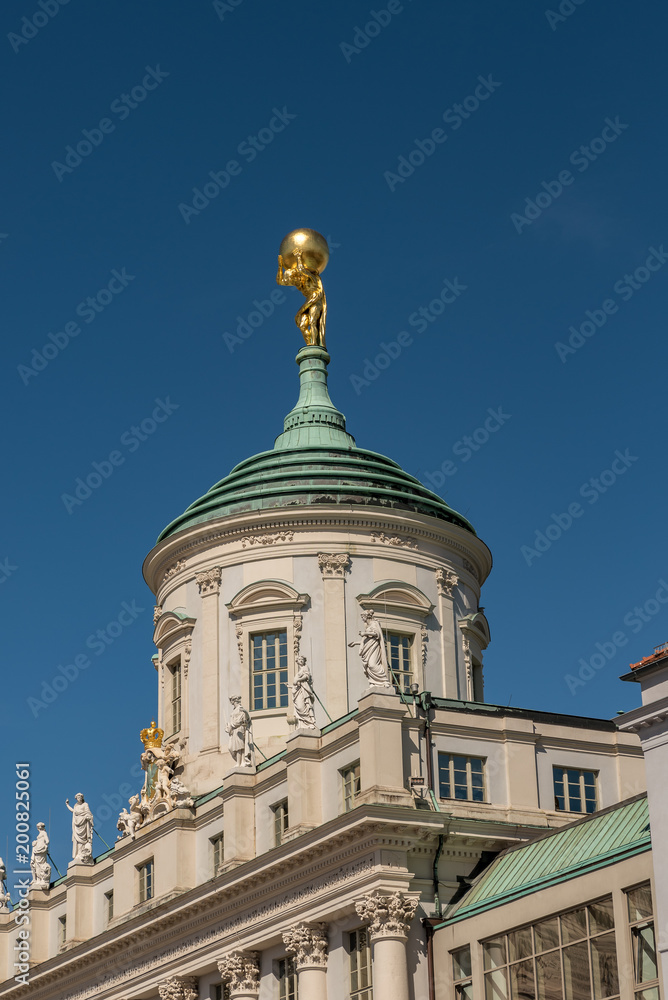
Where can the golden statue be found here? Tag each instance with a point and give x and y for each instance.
(303, 256)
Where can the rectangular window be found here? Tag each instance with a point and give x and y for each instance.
(574, 790)
(461, 973)
(359, 949)
(217, 849)
(281, 821)
(220, 991)
(461, 777)
(175, 696)
(287, 979)
(109, 904)
(643, 943)
(351, 785)
(569, 957)
(145, 876)
(400, 659)
(270, 670)
(62, 932)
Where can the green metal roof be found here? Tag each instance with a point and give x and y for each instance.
(314, 461)
(590, 843)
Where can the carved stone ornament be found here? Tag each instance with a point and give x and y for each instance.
(424, 639)
(241, 970)
(208, 581)
(297, 624)
(173, 569)
(157, 611)
(333, 565)
(387, 915)
(239, 631)
(469, 668)
(308, 943)
(187, 653)
(40, 867)
(162, 792)
(380, 536)
(179, 988)
(446, 581)
(277, 536)
(472, 570)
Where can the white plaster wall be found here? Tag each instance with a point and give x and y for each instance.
(606, 782)
(332, 783)
(264, 817)
(494, 752)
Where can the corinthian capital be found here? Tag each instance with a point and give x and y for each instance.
(179, 988)
(446, 581)
(208, 581)
(308, 943)
(333, 564)
(387, 915)
(241, 969)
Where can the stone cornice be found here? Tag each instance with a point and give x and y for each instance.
(167, 559)
(640, 719)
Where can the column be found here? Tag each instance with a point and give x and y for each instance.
(241, 969)
(179, 988)
(209, 588)
(333, 568)
(388, 918)
(446, 581)
(308, 943)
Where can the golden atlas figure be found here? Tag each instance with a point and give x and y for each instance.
(304, 255)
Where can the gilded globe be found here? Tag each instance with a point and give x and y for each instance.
(315, 252)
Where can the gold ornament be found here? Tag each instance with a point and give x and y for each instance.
(151, 737)
(303, 256)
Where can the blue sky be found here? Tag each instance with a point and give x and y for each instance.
(484, 110)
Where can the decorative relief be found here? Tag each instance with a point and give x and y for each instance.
(446, 581)
(241, 970)
(239, 632)
(179, 988)
(333, 565)
(387, 915)
(469, 668)
(173, 570)
(380, 536)
(157, 611)
(424, 639)
(187, 653)
(308, 943)
(208, 581)
(277, 536)
(297, 624)
(472, 570)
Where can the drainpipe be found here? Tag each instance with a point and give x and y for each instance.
(426, 704)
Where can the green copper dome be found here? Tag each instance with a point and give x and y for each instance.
(314, 461)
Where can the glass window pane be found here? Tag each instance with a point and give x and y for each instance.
(494, 952)
(548, 976)
(640, 903)
(521, 981)
(604, 966)
(465, 991)
(461, 963)
(496, 985)
(573, 926)
(547, 934)
(519, 944)
(576, 972)
(601, 917)
(652, 994)
(644, 953)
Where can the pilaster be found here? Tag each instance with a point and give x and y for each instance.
(380, 717)
(333, 567)
(208, 582)
(446, 581)
(238, 797)
(303, 768)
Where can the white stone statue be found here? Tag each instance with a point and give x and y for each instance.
(180, 795)
(3, 871)
(372, 651)
(128, 822)
(5, 900)
(41, 869)
(303, 697)
(240, 743)
(82, 830)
